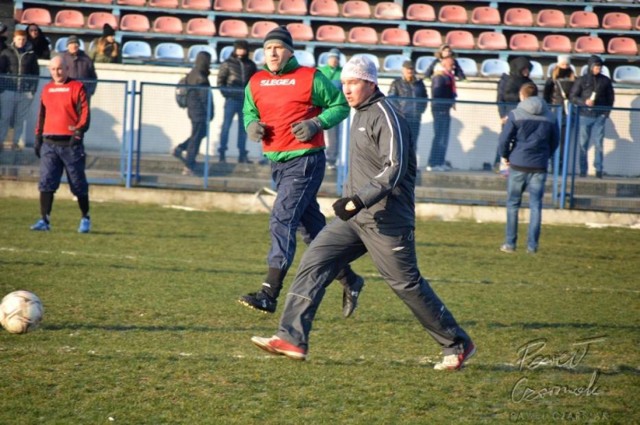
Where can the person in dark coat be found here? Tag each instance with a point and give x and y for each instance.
(3, 36)
(409, 87)
(443, 91)
(557, 89)
(39, 42)
(445, 51)
(79, 66)
(105, 48)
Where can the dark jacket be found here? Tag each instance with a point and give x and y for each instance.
(199, 98)
(40, 45)
(588, 84)
(558, 87)
(457, 69)
(80, 67)
(530, 136)
(235, 73)
(411, 109)
(509, 85)
(442, 87)
(23, 62)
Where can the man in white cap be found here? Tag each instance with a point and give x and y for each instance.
(377, 215)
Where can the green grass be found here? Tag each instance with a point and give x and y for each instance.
(142, 326)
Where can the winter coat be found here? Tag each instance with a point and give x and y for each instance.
(199, 98)
(509, 85)
(442, 87)
(558, 88)
(102, 51)
(457, 69)
(80, 67)
(234, 74)
(589, 84)
(411, 109)
(22, 62)
(41, 46)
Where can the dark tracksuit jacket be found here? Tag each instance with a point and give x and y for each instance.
(235, 73)
(588, 84)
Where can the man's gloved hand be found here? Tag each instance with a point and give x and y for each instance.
(77, 138)
(345, 208)
(37, 145)
(255, 131)
(305, 130)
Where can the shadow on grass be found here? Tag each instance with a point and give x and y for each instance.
(151, 328)
(539, 325)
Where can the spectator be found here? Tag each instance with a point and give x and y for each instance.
(3, 36)
(557, 89)
(409, 87)
(199, 110)
(444, 52)
(443, 90)
(233, 76)
(332, 71)
(527, 141)
(377, 215)
(19, 73)
(287, 106)
(105, 48)
(39, 42)
(79, 66)
(62, 121)
(593, 93)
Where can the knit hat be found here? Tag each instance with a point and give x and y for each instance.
(594, 60)
(564, 59)
(360, 67)
(281, 36)
(108, 30)
(241, 44)
(333, 53)
(72, 39)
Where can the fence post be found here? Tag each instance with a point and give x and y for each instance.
(208, 140)
(131, 95)
(343, 154)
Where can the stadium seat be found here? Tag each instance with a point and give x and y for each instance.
(452, 14)
(131, 2)
(356, 9)
(423, 62)
(523, 41)
(260, 6)
(324, 8)
(552, 18)
(588, 44)
(99, 1)
(69, 18)
(135, 49)
(61, 44)
(233, 28)
(323, 58)
(260, 29)
(583, 19)
(551, 67)
(604, 70)
(622, 46)
(494, 67)
(617, 21)
(491, 40)
(225, 52)
(484, 15)
(168, 4)
(300, 31)
(96, 20)
(469, 66)
(388, 10)
(373, 58)
(332, 33)
(556, 43)
(36, 15)
(197, 48)
(427, 38)
(536, 72)
(169, 51)
(459, 39)
(362, 35)
(627, 74)
(305, 58)
(393, 62)
(228, 5)
(258, 56)
(196, 4)
(167, 25)
(135, 22)
(421, 12)
(518, 17)
(201, 26)
(292, 7)
(395, 37)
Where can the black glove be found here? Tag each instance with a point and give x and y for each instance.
(305, 130)
(38, 145)
(340, 207)
(255, 131)
(77, 138)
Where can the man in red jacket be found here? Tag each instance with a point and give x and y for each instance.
(62, 121)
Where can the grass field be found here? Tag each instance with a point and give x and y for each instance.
(142, 327)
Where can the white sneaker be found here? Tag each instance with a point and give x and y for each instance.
(455, 361)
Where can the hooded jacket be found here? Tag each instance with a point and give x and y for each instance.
(16, 63)
(558, 87)
(588, 84)
(199, 98)
(530, 136)
(509, 85)
(234, 74)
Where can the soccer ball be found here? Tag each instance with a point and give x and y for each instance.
(21, 312)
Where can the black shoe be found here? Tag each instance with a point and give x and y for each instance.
(244, 160)
(259, 301)
(598, 174)
(350, 297)
(177, 152)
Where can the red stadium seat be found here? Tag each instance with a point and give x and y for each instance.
(292, 7)
(300, 31)
(356, 9)
(260, 29)
(623, 46)
(421, 12)
(388, 10)
(36, 15)
(552, 18)
(556, 43)
(332, 33)
(582, 19)
(460, 39)
(362, 35)
(452, 14)
(228, 5)
(233, 28)
(260, 6)
(427, 38)
(135, 22)
(131, 2)
(518, 17)
(588, 44)
(96, 20)
(196, 4)
(168, 4)
(483, 15)
(524, 41)
(69, 18)
(324, 8)
(616, 20)
(395, 37)
(490, 40)
(99, 1)
(167, 25)
(201, 26)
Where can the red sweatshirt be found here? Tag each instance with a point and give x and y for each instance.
(63, 109)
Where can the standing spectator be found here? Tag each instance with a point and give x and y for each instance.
(332, 71)
(39, 42)
(593, 93)
(62, 121)
(199, 110)
(377, 215)
(79, 66)
(105, 48)
(3, 36)
(287, 106)
(557, 89)
(527, 141)
(443, 90)
(233, 76)
(19, 73)
(445, 52)
(409, 87)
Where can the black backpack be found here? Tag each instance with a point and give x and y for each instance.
(181, 92)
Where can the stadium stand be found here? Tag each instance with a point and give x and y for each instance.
(201, 26)
(469, 66)
(589, 44)
(494, 67)
(388, 10)
(169, 51)
(452, 14)
(331, 33)
(395, 37)
(556, 43)
(260, 6)
(300, 31)
(551, 18)
(324, 8)
(96, 20)
(135, 22)
(69, 18)
(260, 29)
(460, 39)
(197, 48)
(490, 40)
(167, 25)
(228, 5)
(196, 4)
(518, 17)
(362, 35)
(622, 46)
(427, 38)
(484, 15)
(292, 7)
(617, 21)
(629, 74)
(235, 28)
(583, 19)
(356, 9)
(36, 15)
(393, 62)
(136, 49)
(421, 12)
(524, 41)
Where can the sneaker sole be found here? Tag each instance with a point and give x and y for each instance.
(246, 304)
(263, 345)
(462, 363)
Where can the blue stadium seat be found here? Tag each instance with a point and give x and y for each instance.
(136, 49)
(169, 51)
(627, 74)
(225, 53)
(393, 62)
(423, 62)
(469, 66)
(305, 58)
(494, 67)
(197, 48)
(61, 44)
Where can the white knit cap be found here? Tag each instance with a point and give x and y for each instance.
(564, 59)
(360, 67)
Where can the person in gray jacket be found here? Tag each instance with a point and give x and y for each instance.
(377, 215)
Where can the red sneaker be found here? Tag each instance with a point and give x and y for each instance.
(455, 361)
(275, 345)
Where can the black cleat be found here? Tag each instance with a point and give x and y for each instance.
(350, 297)
(259, 301)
